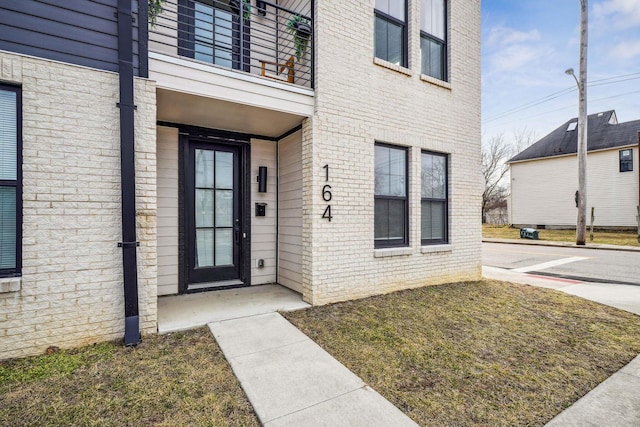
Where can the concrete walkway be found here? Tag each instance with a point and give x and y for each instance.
(616, 401)
(291, 381)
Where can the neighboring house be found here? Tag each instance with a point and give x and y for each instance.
(216, 150)
(544, 177)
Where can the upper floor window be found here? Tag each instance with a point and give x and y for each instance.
(433, 38)
(391, 202)
(391, 31)
(626, 160)
(10, 181)
(210, 31)
(435, 202)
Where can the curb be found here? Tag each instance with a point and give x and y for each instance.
(562, 244)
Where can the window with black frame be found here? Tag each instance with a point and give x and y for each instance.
(434, 191)
(10, 181)
(211, 31)
(391, 31)
(626, 160)
(433, 38)
(391, 201)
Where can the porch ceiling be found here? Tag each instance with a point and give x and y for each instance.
(184, 108)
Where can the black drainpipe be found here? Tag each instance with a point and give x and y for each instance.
(127, 173)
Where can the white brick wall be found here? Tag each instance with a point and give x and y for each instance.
(358, 103)
(71, 291)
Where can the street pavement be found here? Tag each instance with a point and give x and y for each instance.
(586, 264)
(616, 401)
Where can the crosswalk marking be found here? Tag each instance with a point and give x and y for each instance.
(549, 264)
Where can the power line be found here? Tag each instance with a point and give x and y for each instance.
(573, 106)
(615, 77)
(566, 91)
(532, 104)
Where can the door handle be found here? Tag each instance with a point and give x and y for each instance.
(237, 231)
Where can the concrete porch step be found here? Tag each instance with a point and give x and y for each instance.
(181, 312)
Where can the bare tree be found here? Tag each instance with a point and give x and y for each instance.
(522, 139)
(494, 167)
(495, 155)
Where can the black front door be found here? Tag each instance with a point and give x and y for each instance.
(213, 216)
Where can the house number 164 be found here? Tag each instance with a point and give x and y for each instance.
(326, 195)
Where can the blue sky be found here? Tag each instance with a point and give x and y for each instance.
(528, 44)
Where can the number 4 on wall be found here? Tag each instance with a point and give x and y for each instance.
(327, 213)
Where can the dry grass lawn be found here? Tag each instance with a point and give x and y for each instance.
(622, 238)
(476, 354)
(169, 380)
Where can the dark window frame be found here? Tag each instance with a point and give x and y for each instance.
(405, 32)
(444, 43)
(404, 242)
(17, 183)
(241, 40)
(445, 239)
(626, 165)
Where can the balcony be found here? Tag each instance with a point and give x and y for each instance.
(256, 38)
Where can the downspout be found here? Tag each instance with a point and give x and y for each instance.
(127, 173)
(277, 211)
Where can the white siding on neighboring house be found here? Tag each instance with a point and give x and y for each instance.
(543, 190)
(263, 229)
(290, 214)
(614, 194)
(167, 141)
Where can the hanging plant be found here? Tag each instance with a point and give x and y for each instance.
(154, 9)
(301, 31)
(246, 8)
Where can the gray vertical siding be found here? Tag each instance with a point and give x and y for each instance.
(82, 32)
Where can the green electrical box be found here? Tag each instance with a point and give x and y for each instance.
(529, 233)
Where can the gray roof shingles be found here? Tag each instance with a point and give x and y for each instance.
(601, 135)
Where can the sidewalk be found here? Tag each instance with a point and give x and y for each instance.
(616, 401)
(292, 381)
(562, 244)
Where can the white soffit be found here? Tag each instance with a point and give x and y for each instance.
(211, 113)
(195, 93)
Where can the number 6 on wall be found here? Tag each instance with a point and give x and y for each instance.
(326, 193)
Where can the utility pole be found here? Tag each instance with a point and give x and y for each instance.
(582, 125)
(581, 224)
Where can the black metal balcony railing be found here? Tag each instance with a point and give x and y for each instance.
(262, 38)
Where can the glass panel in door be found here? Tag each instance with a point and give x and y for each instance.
(214, 214)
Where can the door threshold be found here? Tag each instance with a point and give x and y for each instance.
(223, 284)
